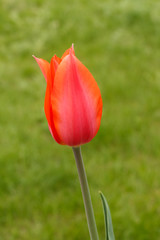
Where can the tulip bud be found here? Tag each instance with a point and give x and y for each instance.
(73, 103)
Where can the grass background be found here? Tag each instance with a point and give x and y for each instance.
(119, 42)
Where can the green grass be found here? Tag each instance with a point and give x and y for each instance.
(119, 42)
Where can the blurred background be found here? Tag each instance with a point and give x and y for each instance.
(119, 42)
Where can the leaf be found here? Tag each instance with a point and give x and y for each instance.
(107, 219)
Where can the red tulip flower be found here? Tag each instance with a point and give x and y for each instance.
(73, 103)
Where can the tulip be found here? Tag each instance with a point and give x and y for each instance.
(73, 108)
(73, 103)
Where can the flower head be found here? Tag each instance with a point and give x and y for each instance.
(73, 103)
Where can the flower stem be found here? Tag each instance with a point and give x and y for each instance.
(86, 194)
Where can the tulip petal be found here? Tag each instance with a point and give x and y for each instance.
(76, 102)
(47, 103)
(44, 66)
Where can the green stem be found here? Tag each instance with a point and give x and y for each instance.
(86, 194)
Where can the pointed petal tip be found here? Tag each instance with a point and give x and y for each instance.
(35, 57)
(72, 49)
(72, 46)
(44, 66)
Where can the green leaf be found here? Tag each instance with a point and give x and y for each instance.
(107, 219)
